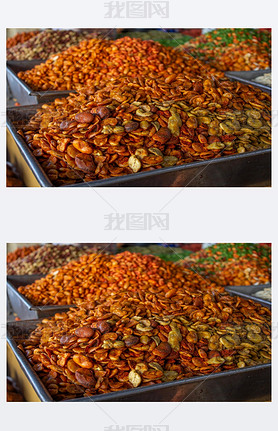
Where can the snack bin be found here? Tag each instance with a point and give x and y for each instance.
(21, 91)
(251, 383)
(248, 169)
(22, 306)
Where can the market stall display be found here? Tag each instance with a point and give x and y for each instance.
(229, 49)
(190, 113)
(231, 264)
(155, 321)
(253, 168)
(21, 92)
(141, 329)
(47, 258)
(46, 43)
(94, 135)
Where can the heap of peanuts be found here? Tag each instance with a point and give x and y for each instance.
(140, 124)
(144, 321)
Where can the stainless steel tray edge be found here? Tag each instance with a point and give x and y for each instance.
(245, 292)
(26, 310)
(22, 92)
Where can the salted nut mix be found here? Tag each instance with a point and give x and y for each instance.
(162, 109)
(47, 257)
(46, 43)
(145, 321)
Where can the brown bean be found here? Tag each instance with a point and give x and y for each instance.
(131, 340)
(163, 135)
(85, 332)
(162, 350)
(85, 162)
(103, 111)
(103, 326)
(131, 126)
(84, 117)
(85, 377)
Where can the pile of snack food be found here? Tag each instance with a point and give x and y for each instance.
(95, 62)
(231, 264)
(41, 260)
(230, 49)
(145, 321)
(172, 254)
(46, 43)
(164, 37)
(159, 111)
(20, 252)
(99, 277)
(20, 38)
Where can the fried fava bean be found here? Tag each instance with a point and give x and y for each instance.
(85, 377)
(127, 108)
(109, 364)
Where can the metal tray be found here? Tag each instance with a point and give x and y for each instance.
(21, 91)
(248, 169)
(248, 384)
(247, 76)
(248, 292)
(22, 306)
